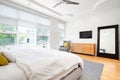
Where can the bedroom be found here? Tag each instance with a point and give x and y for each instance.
(41, 23)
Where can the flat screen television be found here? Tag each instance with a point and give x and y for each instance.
(85, 34)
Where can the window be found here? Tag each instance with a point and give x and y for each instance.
(26, 40)
(31, 36)
(43, 31)
(60, 27)
(6, 35)
(6, 28)
(42, 41)
(26, 36)
(8, 18)
(24, 28)
(60, 37)
(43, 36)
(7, 39)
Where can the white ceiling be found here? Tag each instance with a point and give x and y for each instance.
(69, 12)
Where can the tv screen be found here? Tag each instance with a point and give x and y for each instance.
(85, 34)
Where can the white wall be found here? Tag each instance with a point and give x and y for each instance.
(91, 22)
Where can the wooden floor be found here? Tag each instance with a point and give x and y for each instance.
(111, 70)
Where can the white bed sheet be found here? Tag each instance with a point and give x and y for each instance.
(12, 72)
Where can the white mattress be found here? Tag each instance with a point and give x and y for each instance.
(13, 72)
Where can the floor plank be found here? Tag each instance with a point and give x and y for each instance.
(111, 70)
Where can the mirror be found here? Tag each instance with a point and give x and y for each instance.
(108, 42)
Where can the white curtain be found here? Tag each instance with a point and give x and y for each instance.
(8, 15)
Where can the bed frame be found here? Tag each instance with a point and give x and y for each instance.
(73, 75)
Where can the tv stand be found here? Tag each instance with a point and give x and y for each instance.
(84, 48)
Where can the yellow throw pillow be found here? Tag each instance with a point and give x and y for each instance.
(3, 60)
(65, 44)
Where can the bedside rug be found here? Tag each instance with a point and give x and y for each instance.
(91, 71)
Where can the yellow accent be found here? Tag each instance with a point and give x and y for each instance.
(65, 44)
(3, 60)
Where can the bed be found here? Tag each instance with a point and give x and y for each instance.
(40, 64)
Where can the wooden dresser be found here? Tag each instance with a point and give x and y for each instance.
(84, 48)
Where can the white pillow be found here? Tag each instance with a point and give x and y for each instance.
(8, 55)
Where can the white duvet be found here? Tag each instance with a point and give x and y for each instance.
(12, 72)
(43, 64)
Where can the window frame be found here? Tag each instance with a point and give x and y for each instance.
(62, 30)
(48, 42)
